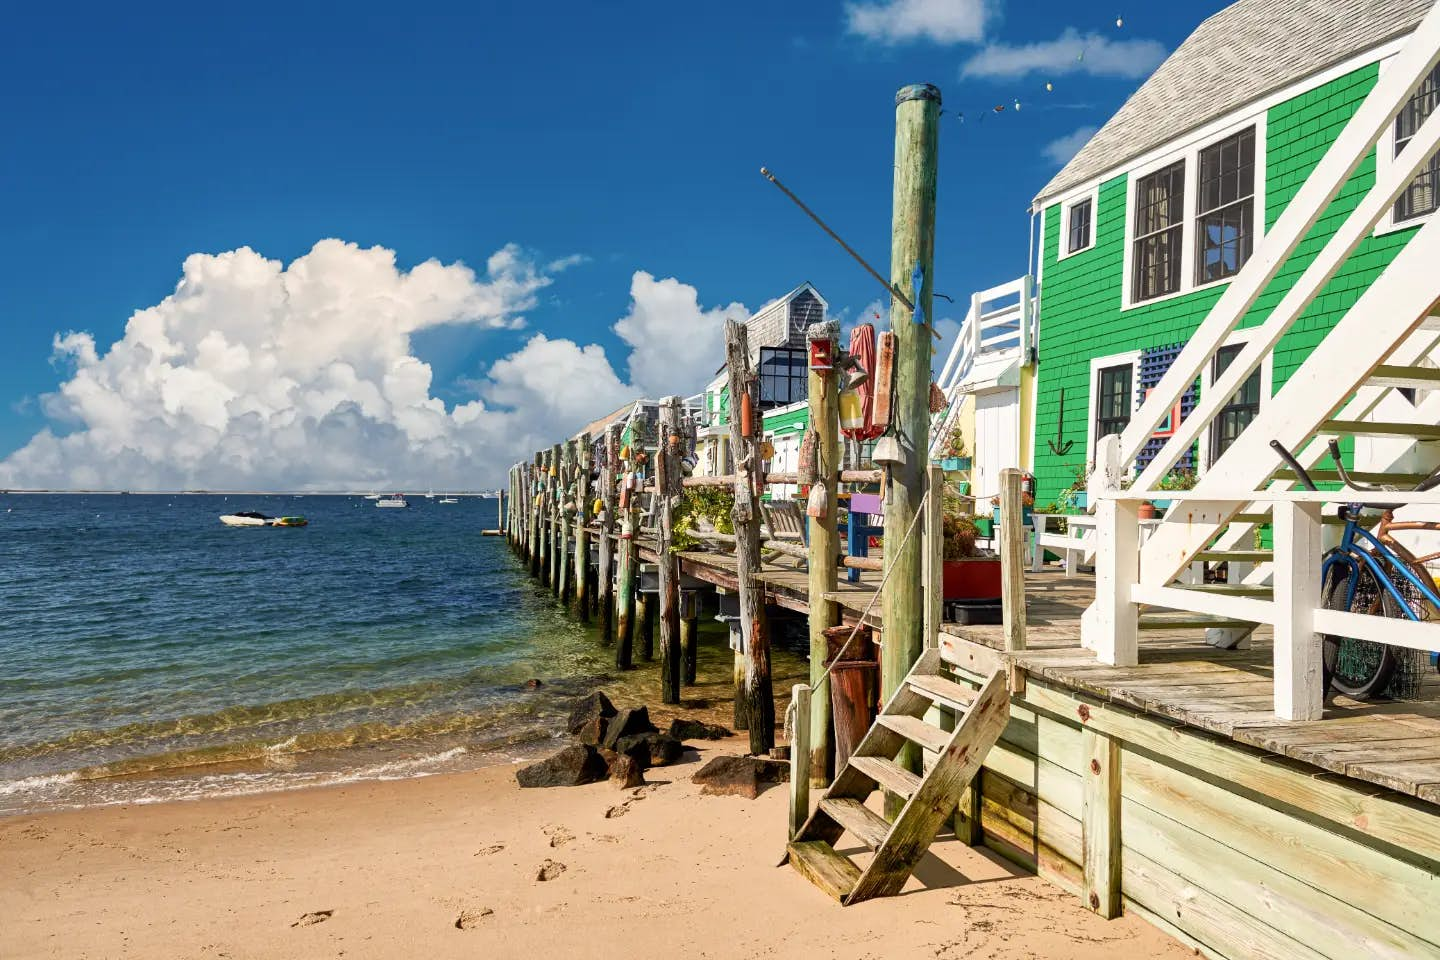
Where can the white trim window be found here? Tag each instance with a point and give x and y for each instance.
(1112, 394)
(1080, 225)
(1242, 408)
(1420, 198)
(1159, 204)
(1225, 201)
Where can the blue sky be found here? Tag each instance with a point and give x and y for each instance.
(598, 139)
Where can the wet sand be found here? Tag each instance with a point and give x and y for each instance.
(388, 869)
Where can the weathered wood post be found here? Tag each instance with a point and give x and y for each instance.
(801, 752)
(689, 635)
(1012, 557)
(667, 500)
(582, 533)
(645, 610)
(563, 513)
(745, 433)
(824, 545)
(934, 555)
(912, 255)
(544, 498)
(625, 576)
(605, 579)
(529, 480)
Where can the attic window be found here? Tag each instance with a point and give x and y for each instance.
(1079, 226)
(1225, 218)
(1419, 198)
(1159, 228)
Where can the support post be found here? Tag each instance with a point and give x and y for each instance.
(967, 815)
(824, 541)
(912, 253)
(533, 534)
(689, 635)
(801, 750)
(645, 610)
(1111, 626)
(1012, 557)
(1100, 821)
(934, 555)
(605, 579)
(546, 540)
(1299, 687)
(582, 532)
(745, 433)
(563, 512)
(667, 499)
(625, 576)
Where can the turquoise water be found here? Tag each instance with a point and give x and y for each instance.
(148, 652)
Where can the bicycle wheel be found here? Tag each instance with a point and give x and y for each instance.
(1360, 669)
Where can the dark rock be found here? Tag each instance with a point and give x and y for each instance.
(627, 772)
(626, 723)
(696, 730)
(570, 767)
(591, 732)
(739, 776)
(597, 706)
(533, 684)
(660, 750)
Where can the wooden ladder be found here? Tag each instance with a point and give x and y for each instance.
(930, 799)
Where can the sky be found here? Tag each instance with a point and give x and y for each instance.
(310, 246)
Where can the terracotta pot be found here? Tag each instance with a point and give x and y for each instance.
(1147, 510)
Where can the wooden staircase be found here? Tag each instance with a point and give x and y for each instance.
(929, 799)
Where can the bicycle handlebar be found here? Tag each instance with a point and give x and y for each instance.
(1288, 457)
(1429, 483)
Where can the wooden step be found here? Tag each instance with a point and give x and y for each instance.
(1184, 620)
(915, 730)
(944, 693)
(819, 863)
(1229, 589)
(1261, 518)
(1366, 428)
(887, 774)
(859, 821)
(1416, 378)
(1235, 556)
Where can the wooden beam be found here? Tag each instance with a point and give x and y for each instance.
(823, 545)
(558, 539)
(1100, 822)
(1299, 680)
(745, 434)
(605, 579)
(583, 466)
(934, 556)
(1012, 557)
(667, 481)
(800, 754)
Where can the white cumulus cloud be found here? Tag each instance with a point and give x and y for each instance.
(1060, 150)
(1071, 52)
(258, 375)
(898, 21)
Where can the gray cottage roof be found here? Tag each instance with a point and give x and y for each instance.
(1244, 52)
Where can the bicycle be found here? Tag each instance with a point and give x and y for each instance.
(1370, 573)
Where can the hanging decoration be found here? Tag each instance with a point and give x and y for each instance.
(806, 464)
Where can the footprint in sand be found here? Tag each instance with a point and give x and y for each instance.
(549, 870)
(487, 851)
(559, 836)
(313, 917)
(471, 918)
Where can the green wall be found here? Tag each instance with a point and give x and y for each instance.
(1080, 315)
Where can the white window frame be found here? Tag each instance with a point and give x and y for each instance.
(1132, 357)
(1066, 206)
(1207, 379)
(1384, 162)
(1189, 151)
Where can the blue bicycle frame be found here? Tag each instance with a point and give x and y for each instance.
(1350, 555)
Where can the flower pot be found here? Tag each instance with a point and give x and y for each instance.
(1080, 500)
(1147, 510)
(974, 578)
(1027, 516)
(955, 463)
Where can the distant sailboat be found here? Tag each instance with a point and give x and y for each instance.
(448, 499)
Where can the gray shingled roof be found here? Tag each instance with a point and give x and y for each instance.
(1239, 55)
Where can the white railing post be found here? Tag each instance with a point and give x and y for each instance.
(1111, 627)
(1026, 320)
(1298, 675)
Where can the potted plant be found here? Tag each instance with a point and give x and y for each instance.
(969, 573)
(953, 455)
(1075, 496)
(1181, 479)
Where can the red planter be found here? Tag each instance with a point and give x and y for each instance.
(977, 578)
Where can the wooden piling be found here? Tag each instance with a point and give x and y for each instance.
(689, 636)
(912, 250)
(667, 500)
(563, 514)
(934, 556)
(1012, 557)
(824, 542)
(625, 574)
(801, 752)
(645, 611)
(605, 578)
(543, 518)
(583, 458)
(745, 436)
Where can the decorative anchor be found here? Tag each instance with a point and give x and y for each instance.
(1057, 447)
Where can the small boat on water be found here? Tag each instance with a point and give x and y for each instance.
(448, 500)
(249, 518)
(392, 500)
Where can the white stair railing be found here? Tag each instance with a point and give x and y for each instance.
(1000, 321)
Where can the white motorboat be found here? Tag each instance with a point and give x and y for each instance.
(247, 518)
(448, 500)
(392, 500)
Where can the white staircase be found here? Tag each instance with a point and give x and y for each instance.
(1382, 344)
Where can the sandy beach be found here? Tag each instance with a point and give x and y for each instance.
(447, 866)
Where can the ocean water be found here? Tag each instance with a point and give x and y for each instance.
(147, 652)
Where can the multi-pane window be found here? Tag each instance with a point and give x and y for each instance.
(1159, 228)
(1113, 395)
(784, 377)
(1419, 198)
(1239, 410)
(1225, 207)
(1080, 216)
